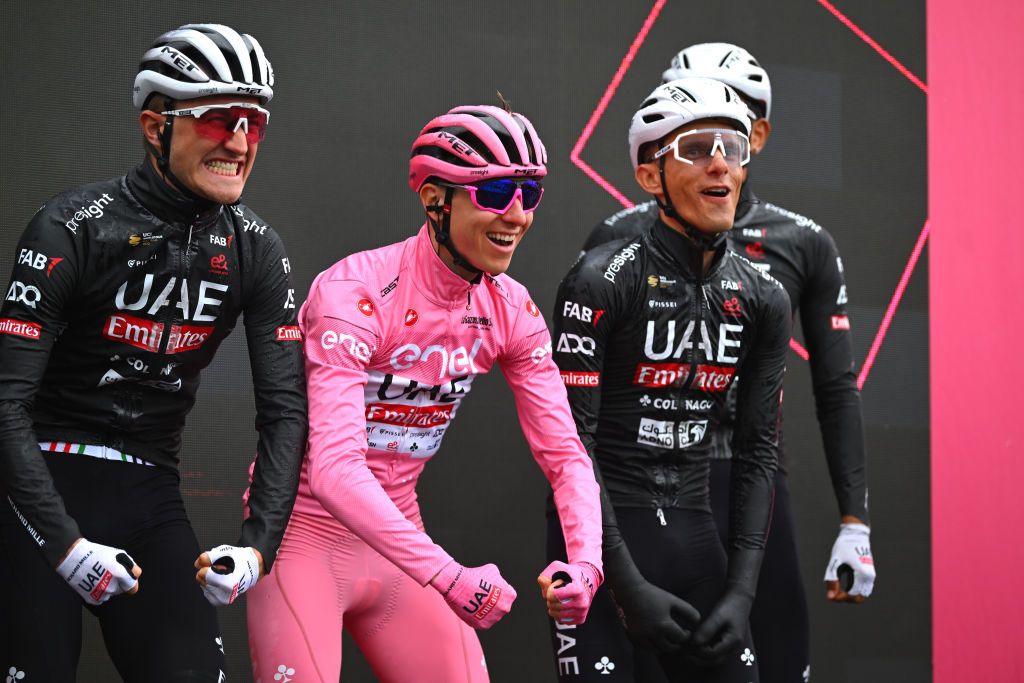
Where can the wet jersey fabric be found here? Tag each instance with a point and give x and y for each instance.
(121, 293)
(393, 341)
(801, 255)
(648, 345)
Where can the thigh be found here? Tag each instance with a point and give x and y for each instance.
(295, 612)
(408, 633)
(598, 649)
(41, 622)
(167, 631)
(779, 619)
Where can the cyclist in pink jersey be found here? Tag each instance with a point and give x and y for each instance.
(393, 340)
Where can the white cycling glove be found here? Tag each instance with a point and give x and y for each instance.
(98, 572)
(853, 548)
(243, 570)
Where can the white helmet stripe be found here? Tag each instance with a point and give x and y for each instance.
(172, 57)
(206, 46)
(261, 59)
(237, 44)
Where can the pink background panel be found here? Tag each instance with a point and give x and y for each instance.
(976, 256)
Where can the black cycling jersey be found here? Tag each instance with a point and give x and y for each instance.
(803, 257)
(121, 293)
(648, 344)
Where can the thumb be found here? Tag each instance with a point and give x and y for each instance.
(684, 614)
(203, 561)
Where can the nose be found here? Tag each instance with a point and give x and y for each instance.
(718, 164)
(237, 143)
(515, 213)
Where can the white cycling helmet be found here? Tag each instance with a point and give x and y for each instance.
(677, 103)
(727, 63)
(197, 60)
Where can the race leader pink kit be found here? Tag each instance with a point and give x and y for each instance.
(393, 342)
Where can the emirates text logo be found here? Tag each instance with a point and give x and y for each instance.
(20, 328)
(147, 334)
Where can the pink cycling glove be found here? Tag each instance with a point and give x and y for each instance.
(576, 596)
(478, 595)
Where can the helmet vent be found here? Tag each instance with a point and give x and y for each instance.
(651, 118)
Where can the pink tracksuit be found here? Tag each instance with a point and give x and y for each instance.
(393, 341)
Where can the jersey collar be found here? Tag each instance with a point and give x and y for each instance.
(165, 203)
(434, 279)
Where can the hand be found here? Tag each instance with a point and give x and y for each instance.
(569, 601)
(99, 572)
(477, 595)
(653, 617)
(853, 549)
(722, 632)
(227, 571)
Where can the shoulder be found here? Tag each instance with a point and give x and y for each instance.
(74, 209)
(760, 282)
(626, 223)
(372, 275)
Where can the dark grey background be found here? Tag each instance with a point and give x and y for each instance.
(355, 83)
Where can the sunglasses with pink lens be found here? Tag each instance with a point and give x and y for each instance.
(220, 122)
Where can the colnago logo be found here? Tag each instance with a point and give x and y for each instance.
(571, 343)
(205, 306)
(708, 378)
(20, 293)
(840, 322)
(20, 328)
(38, 260)
(147, 334)
(93, 209)
(571, 309)
(581, 379)
(659, 403)
(289, 333)
(247, 224)
(456, 362)
(720, 354)
(357, 349)
(698, 404)
(622, 258)
(409, 416)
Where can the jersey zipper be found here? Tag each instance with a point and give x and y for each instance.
(696, 338)
(183, 266)
(661, 517)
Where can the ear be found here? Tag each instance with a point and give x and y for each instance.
(759, 135)
(648, 178)
(152, 125)
(431, 195)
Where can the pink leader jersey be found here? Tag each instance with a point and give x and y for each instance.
(393, 341)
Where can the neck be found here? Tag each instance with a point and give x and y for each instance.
(449, 261)
(675, 224)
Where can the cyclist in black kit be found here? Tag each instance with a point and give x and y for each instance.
(121, 293)
(650, 332)
(803, 257)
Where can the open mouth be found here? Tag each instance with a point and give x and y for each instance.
(716, 192)
(224, 168)
(501, 239)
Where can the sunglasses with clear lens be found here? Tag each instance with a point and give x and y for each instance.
(220, 122)
(699, 147)
(498, 195)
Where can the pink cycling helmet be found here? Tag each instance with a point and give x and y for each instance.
(474, 143)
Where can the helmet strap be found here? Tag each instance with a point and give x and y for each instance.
(443, 235)
(163, 162)
(705, 242)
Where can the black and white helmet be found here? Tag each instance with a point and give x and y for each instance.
(197, 60)
(677, 103)
(724, 62)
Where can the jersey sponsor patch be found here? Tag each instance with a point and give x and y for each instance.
(581, 379)
(707, 378)
(669, 434)
(38, 260)
(365, 306)
(532, 309)
(147, 334)
(289, 333)
(20, 293)
(573, 343)
(840, 322)
(20, 328)
(411, 316)
(842, 299)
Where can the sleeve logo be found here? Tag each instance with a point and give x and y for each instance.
(289, 333)
(20, 328)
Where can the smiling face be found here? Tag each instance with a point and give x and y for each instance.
(704, 195)
(485, 239)
(214, 170)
